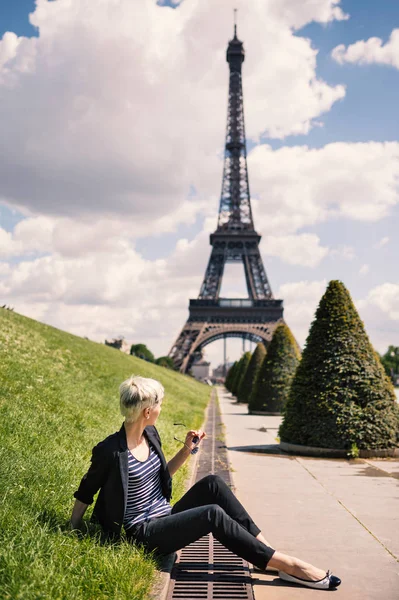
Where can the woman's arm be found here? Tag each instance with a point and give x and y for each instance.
(180, 458)
(96, 476)
(78, 511)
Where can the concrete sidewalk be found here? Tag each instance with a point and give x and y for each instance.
(337, 514)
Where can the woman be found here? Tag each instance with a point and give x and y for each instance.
(135, 484)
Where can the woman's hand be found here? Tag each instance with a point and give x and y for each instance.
(192, 435)
(177, 461)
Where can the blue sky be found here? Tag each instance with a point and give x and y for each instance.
(369, 110)
(14, 16)
(362, 253)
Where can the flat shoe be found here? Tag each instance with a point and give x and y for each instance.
(328, 582)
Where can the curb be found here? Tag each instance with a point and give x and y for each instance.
(265, 414)
(337, 453)
(160, 588)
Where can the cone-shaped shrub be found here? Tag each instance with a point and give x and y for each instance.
(235, 377)
(249, 378)
(226, 381)
(242, 367)
(246, 359)
(272, 387)
(340, 395)
(230, 375)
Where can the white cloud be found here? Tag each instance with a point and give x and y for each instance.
(303, 249)
(382, 242)
(102, 295)
(301, 299)
(295, 187)
(298, 15)
(7, 245)
(344, 252)
(127, 101)
(69, 237)
(364, 269)
(371, 51)
(9, 47)
(379, 311)
(386, 298)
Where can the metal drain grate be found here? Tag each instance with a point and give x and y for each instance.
(206, 569)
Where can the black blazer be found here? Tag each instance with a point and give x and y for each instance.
(108, 473)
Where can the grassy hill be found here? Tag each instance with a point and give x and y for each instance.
(58, 398)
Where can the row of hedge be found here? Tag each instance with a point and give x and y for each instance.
(337, 396)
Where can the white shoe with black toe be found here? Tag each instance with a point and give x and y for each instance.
(329, 582)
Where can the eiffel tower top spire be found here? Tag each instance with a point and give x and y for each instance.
(235, 22)
(235, 212)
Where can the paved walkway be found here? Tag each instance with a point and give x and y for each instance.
(339, 515)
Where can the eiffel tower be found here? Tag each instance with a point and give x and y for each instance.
(235, 240)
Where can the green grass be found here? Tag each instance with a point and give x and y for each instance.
(58, 398)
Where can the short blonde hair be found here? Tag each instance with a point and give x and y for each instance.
(137, 393)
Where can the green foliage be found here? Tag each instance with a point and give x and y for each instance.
(245, 360)
(59, 397)
(236, 377)
(165, 361)
(249, 378)
(354, 451)
(340, 394)
(141, 351)
(390, 361)
(230, 376)
(271, 390)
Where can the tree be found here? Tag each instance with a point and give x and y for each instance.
(390, 361)
(141, 351)
(245, 360)
(236, 376)
(249, 378)
(272, 387)
(230, 376)
(165, 361)
(340, 396)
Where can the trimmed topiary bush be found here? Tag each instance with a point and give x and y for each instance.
(230, 376)
(236, 377)
(246, 359)
(270, 393)
(340, 396)
(249, 378)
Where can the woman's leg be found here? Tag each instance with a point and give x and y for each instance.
(213, 490)
(295, 566)
(173, 532)
(262, 539)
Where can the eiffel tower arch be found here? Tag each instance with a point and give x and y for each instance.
(235, 240)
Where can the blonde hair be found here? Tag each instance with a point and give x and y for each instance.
(137, 393)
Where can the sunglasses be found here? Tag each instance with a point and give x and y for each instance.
(195, 439)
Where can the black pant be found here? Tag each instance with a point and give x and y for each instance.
(209, 506)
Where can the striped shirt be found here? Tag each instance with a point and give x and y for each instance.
(144, 495)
